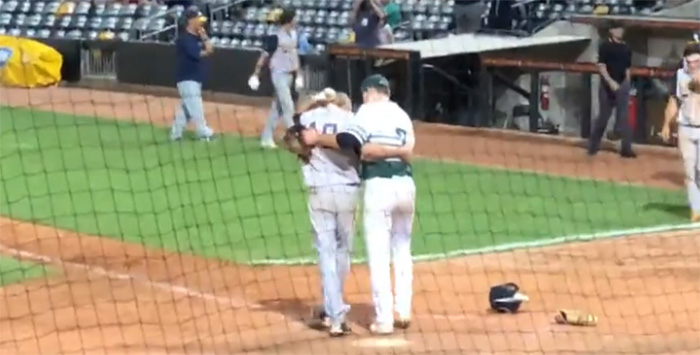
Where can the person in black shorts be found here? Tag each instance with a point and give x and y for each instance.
(614, 62)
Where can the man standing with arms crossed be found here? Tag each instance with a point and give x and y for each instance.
(190, 49)
(614, 62)
(389, 196)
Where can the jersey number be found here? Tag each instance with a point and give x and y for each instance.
(328, 128)
(402, 135)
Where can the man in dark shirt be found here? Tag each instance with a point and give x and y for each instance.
(614, 62)
(191, 47)
(368, 20)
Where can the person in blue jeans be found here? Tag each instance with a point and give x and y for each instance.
(191, 47)
(281, 52)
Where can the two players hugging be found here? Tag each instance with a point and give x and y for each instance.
(341, 152)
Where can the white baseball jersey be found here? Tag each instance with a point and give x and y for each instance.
(383, 123)
(689, 111)
(329, 167)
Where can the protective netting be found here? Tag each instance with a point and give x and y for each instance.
(116, 240)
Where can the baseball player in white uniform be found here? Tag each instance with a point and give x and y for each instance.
(684, 108)
(333, 183)
(382, 134)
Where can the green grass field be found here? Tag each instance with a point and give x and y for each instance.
(13, 270)
(230, 200)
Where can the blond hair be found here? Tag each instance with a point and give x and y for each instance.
(343, 101)
(315, 100)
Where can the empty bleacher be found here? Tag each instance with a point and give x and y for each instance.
(237, 24)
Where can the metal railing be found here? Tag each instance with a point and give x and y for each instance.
(98, 63)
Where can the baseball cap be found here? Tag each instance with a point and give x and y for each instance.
(375, 81)
(194, 12)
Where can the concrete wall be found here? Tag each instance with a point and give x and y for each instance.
(658, 48)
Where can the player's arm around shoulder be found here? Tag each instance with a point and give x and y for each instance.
(373, 151)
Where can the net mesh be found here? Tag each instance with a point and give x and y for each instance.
(116, 240)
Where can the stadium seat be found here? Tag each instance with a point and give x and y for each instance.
(78, 21)
(43, 33)
(158, 10)
(98, 9)
(37, 7)
(91, 35)
(246, 43)
(82, 8)
(272, 29)
(33, 20)
(251, 14)
(227, 28)
(248, 30)
(65, 8)
(259, 30)
(18, 20)
(215, 30)
(344, 19)
(64, 21)
(125, 23)
(321, 17)
(24, 7)
(9, 6)
(113, 9)
(14, 32)
(51, 7)
(128, 10)
(156, 24)
(48, 21)
(28, 32)
(144, 10)
(123, 36)
(308, 4)
(110, 23)
(74, 34)
(140, 24)
(235, 29)
(95, 23)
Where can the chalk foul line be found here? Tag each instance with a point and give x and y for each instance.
(137, 278)
(539, 243)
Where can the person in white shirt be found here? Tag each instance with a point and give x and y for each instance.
(684, 108)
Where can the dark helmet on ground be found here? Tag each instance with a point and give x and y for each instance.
(506, 298)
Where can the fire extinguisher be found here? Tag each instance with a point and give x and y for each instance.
(544, 93)
(632, 109)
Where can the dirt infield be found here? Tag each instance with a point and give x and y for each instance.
(116, 297)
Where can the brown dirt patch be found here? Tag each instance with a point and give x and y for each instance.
(116, 297)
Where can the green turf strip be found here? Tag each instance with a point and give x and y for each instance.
(13, 270)
(231, 200)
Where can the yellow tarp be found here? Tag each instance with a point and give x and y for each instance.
(32, 64)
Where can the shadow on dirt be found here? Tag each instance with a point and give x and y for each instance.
(301, 311)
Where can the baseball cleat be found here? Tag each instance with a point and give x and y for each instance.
(402, 323)
(318, 314)
(339, 329)
(268, 145)
(381, 329)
